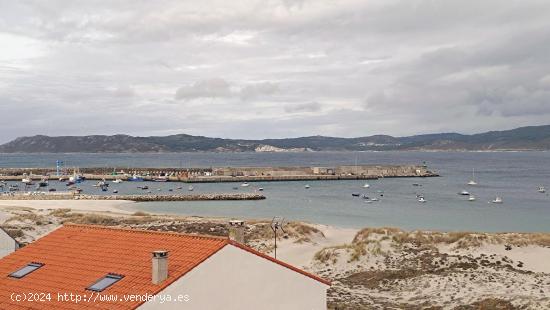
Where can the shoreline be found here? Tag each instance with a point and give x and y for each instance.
(128, 207)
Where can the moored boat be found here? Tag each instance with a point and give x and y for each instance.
(135, 178)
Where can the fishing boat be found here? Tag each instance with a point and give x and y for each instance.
(472, 198)
(245, 184)
(136, 178)
(161, 179)
(307, 186)
(190, 188)
(76, 178)
(101, 183)
(104, 188)
(51, 190)
(366, 185)
(143, 187)
(464, 193)
(473, 180)
(497, 200)
(179, 187)
(541, 189)
(26, 181)
(43, 182)
(421, 199)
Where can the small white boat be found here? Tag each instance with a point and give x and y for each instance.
(464, 193)
(115, 191)
(307, 186)
(366, 185)
(421, 199)
(541, 189)
(117, 181)
(261, 189)
(497, 200)
(190, 188)
(472, 198)
(245, 184)
(27, 181)
(375, 199)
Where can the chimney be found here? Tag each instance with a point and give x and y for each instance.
(236, 231)
(160, 266)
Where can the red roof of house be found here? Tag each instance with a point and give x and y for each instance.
(76, 256)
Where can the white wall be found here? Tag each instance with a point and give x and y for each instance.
(7, 244)
(236, 279)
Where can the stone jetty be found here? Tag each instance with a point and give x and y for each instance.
(230, 174)
(137, 198)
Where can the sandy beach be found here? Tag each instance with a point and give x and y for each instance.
(114, 206)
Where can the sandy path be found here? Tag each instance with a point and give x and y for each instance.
(301, 254)
(114, 206)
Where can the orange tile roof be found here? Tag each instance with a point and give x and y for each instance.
(76, 256)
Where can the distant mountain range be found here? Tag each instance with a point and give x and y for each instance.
(524, 138)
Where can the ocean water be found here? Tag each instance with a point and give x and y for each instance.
(514, 176)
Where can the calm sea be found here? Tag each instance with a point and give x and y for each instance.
(515, 176)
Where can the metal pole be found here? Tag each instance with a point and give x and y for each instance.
(275, 242)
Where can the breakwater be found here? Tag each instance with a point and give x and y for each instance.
(228, 174)
(137, 198)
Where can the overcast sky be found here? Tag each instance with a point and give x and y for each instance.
(255, 69)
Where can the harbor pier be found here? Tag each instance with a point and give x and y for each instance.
(225, 174)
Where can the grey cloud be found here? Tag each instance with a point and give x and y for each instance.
(259, 90)
(210, 88)
(303, 107)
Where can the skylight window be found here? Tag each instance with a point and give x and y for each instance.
(26, 270)
(105, 282)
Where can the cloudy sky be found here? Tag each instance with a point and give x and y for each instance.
(254, 69)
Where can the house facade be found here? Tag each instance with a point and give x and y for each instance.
(7, 243)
